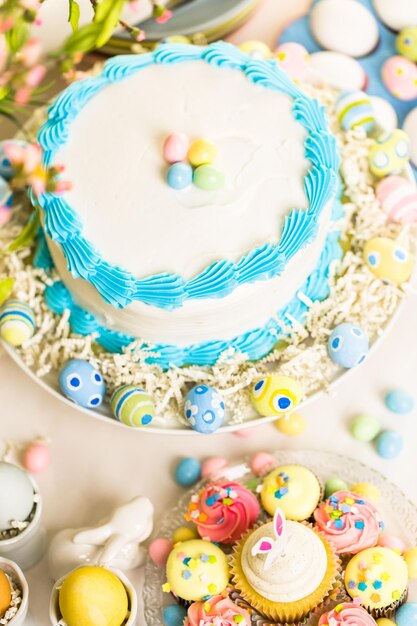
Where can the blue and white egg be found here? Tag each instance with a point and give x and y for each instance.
(388, 260)
(82, 383)
(354, 110)
(204, 409)
(348, 345)
(6, 168)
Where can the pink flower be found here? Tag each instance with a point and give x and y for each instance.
(31, 52)
(166, 15)
(62, 185)
(32, 157)
(6, 25)
(35, 75)
(141, 36)
(22, 95)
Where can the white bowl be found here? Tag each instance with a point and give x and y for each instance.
(14, 571)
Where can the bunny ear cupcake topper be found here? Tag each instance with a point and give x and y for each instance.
(273, 547)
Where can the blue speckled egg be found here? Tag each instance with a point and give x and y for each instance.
(354, 109)
(204, 409)
(399, 401)
(174, 615)
(6, 194)
(6, 170)
(389, 444)
(348, 345)
(82, 383)
(407, 614)
(187, 472)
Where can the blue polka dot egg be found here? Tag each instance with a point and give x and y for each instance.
(348, 345)
(132, 406)
(276, 395)
(80, 382)
(204, 409)
(388, 261)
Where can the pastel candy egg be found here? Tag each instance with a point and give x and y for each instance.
(389, 444)
(387, 260)
(16, 495)
(204, 409)
(179, 175)
(407, 43)
(396, 15)
(336, 70)
(159, 551)
(293, 424)
(6, 195)
(5, 593)
(176, 147)
(386, 119)
(261, 462)
(365, 427)
(36, 458)
(390, 154)
(6, 169)
(407, 615)
(202, 152)
(208, 177)
(256, 49)
(334, 484)
(398, 199)
(410, 127)
(367, 490)
(294, 59)
(184, 533)
(392, 542)
(383, 621)
(187, 472)
(212, 466)
(93, 595)
(344, 26)
(132, 406)
(399, 401)
(276, 394)
(17, 322)
(354, 109)
(174, 615)
(348, 345)
(399, 76)
(410, 557)
(80, 382)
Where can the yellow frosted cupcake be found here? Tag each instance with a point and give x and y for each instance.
(292, 488)
(379, 578)
(285, 569)
(196, 570)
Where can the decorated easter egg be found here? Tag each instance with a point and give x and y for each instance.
(293, 424)
(93, 595)
(336, 70)
(344, 26)
(204, 409)
(399, 76)
(174, 615)
(354, 109)
(17, 322)
(159, 550)
(82, 383)
(387, 260)
(389, 444)
(294, 59)
(202, 152)
(365, 427)
(179, 175)
(256, 49)
(398, 199)
(386, 119)
(396, 14)
(184, 533)
(187, 471)
(261, 462)
(407, 615)
(410, 557)
(5, 593)
(334, 484)
(213, 465)
(208, 177)
(389, 154)
(176, 147)
(407, 43)
(132, 406)
(348, 345)
(399, 401)
(16, 495)
(410, 127)
(6, 195)
(276, 394)
(36, 457)
(6, 168)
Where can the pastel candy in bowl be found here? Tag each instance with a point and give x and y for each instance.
(276, 394)
(398, 198)
(388, 260)
(389, 154)
(204, 409)
(82, 383)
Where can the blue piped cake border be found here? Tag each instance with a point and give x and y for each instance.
(118, 286)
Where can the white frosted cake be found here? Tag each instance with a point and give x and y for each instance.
(189, 272)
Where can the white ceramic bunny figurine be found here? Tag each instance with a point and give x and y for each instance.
(115, 541)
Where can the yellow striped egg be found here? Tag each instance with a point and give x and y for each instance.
(354, 110)
(17, 322)
(387, 260)
(276, 394)
(132, 406)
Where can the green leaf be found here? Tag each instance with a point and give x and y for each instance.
(74, 15)
(26, 236)
(6, 288)
(83, 40)
(108, 21)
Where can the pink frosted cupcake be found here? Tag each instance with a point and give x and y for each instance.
(217, 610)
(349, 522)
(223, 512)
(348, 613)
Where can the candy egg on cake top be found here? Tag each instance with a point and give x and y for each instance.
(292, 488)
(406, 42)
(354, 109)
(399, 76)
(388, 260)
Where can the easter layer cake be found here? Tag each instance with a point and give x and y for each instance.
(220, 239)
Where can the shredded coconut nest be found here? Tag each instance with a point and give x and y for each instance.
(356, 295)
(15, 602)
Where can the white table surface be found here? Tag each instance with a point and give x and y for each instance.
(96, 465)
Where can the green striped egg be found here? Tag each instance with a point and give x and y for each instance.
(132, 406)
(354, 109)
(17, 322)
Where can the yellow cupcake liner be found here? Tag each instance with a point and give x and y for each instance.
(288, 613)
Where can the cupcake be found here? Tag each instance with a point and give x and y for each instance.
(379, 578)
(292, 488)
(223, 512)
(196, 570)
(217, 610)
(351, 523)
(348, 613)
(285, 569)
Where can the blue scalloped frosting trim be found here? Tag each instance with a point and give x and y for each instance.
(120, 287)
